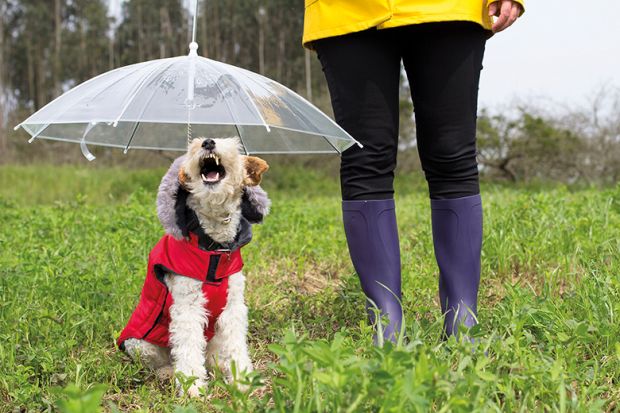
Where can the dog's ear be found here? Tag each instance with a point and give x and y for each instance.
(183, 178)
(254, 169)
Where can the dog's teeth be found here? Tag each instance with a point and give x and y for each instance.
(204, 178)
(217, 160)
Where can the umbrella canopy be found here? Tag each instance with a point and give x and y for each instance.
(155, 105)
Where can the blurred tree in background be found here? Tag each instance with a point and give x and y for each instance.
(572, 146)
(49, 46)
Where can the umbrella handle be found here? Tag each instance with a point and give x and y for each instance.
(85, 151)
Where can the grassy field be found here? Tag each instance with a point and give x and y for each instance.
(73, 251)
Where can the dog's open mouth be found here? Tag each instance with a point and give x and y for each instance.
(211, 169)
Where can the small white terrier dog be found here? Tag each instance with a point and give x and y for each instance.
(192, 312)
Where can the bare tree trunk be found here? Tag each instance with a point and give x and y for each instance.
(140, 33)
(167, 28)
(203, 23)
(111, 50)
(3, 93)
(261, 16)
(185, 30)
(40, 79)
(83, 59)
(233, 33)
(163, 23)
(57, 46)
(216, 31)
(281, 54)
(29, 58)
(2, 52)
(308, 76)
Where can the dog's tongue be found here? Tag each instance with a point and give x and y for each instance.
(213, 176)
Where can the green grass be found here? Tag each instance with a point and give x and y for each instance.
(73, 250)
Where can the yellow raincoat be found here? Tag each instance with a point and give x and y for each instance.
(327, 18)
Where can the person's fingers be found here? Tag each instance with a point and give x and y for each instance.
(504, 14)
(493, 8)
(514, 13)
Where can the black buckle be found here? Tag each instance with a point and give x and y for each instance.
(214, 260)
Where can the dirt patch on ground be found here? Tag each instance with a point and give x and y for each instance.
(312, 279)
(556, 280)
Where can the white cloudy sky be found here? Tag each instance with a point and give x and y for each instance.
(560, 49)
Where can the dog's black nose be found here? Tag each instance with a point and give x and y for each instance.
(208, 144)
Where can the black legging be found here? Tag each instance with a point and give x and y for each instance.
(443, 63)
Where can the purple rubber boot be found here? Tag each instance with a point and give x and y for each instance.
(457, 237)
(372, 236)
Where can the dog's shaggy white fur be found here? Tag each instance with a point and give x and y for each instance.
(216, 200)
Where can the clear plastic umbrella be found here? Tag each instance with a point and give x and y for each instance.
(161, 104)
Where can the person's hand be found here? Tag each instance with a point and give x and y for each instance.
(507, 12)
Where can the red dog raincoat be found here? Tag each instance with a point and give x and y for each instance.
(151, 318)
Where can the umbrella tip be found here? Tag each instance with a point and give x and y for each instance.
(17, 127)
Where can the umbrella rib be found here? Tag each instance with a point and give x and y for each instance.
(246, 94)
(331, 144)
(144, 109)
(133, 132)
(111, 84)
(70, 106)
(69, 92)
(36, 135)
(135, 90)
(304, 100)
(292, 109)
(294, 112)
(241, 138)
(98, 93)
(229, 109)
